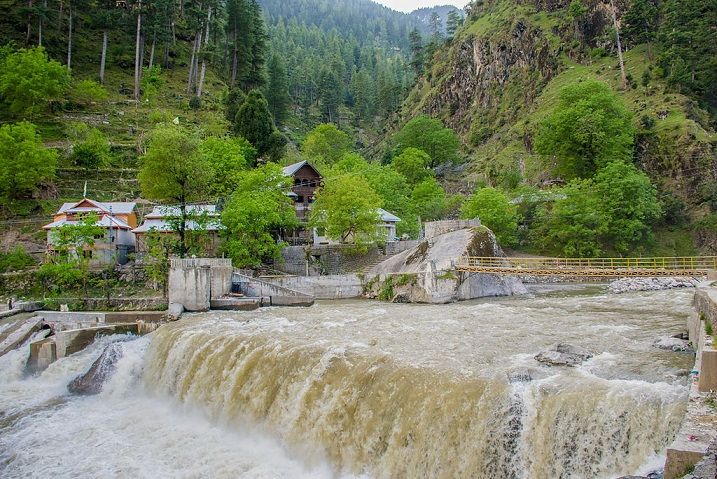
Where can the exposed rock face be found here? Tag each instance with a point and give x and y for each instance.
(564, 355)
(426, 273)
(673, 344)
(92, 381)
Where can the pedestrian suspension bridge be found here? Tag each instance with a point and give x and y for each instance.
(693, 266)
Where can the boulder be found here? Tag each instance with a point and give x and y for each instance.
(175, 311)
(92, 381)
(673, 344)
(427, 273)
(563, 354)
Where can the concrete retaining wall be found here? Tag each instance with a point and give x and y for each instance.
(195, 282)
(697, 430)
(436, 228)
(323, 287)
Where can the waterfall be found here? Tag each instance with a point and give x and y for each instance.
(368, 411)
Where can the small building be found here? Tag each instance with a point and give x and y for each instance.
(202, 217)
(116, 218)
(306, 180)
(386, 227)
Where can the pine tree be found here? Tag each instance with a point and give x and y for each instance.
(416, 51)
(253, 122)
(277, 92)
(330, 95)
(453, 22)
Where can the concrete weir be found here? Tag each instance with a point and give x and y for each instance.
(699, 428)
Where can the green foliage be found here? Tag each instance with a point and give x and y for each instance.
(589, 127)
(277, 91)
(15, 260)
(429, 200)
(413, 163)
(689, 48)
(640, 22)
(429, 134)
(346, 208)
(60, 277)
(258, 208)
(613, 212)
(160, 248)
(228, 157)
(175, 171)
(495, 212)
(387, 293)
(152, 82)
(85, 92)
(90, 148)
(25, 163)
(29, 80)
(253, 122)
(708, 328)
(325, 145)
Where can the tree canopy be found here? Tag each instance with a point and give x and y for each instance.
(326, 145)
(495, 212)
(25, 162)
(346, 208)
(413, 163)
(228, 157)
(429, 135)
(29, 80)
(253, 122)
(429, 200)
(589, 127)
(258, 209)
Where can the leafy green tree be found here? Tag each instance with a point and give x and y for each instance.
(574, 224)
(277, 91)
(589, 127)
(429, 134)
(346, 209)
(629, 199)
(413, 163)
(257, 210)
(25, 163)
(71, 263)
(495, 212)
(395, 192)
(228, 157)
(429, 200)
(326, 145)
(253, 122)
(29, 80)
(90, 147)
(16, 260)
(174, 170)
(85, 92)
(613, 212)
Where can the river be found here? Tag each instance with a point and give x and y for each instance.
(364, 389)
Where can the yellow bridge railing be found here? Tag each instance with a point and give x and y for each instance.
(662, 266)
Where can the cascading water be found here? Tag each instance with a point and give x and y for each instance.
(358, 388)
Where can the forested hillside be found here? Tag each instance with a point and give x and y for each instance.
(513, 75)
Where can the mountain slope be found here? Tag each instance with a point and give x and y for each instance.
(502, 74)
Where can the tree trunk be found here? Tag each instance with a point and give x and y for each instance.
(204, 57)
(29, 23)
(141, 56)
(39, 27)
(191, 65)
(104, 57)
(137, 65)
(234, 61)
(151, 51)
(619, 45)
(69, 42)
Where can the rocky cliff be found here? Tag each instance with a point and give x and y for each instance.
(426, 273)
(503, 72)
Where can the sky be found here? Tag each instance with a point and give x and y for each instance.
(410, 5)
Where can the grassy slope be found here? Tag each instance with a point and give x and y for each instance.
(506, 151)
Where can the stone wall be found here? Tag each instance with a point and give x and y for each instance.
(324, 287)
(436, 228)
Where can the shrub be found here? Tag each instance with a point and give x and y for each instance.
(15, 260)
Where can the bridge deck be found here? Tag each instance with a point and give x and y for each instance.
(595, 267)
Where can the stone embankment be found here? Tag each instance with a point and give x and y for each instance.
(630, 285)
(427, 273)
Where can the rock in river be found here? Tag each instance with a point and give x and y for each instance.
(563, 354)
(92, 381)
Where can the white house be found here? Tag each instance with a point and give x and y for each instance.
(116, 218)
(161, 219)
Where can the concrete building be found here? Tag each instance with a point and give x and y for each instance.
(117, 219)
(162, 219)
